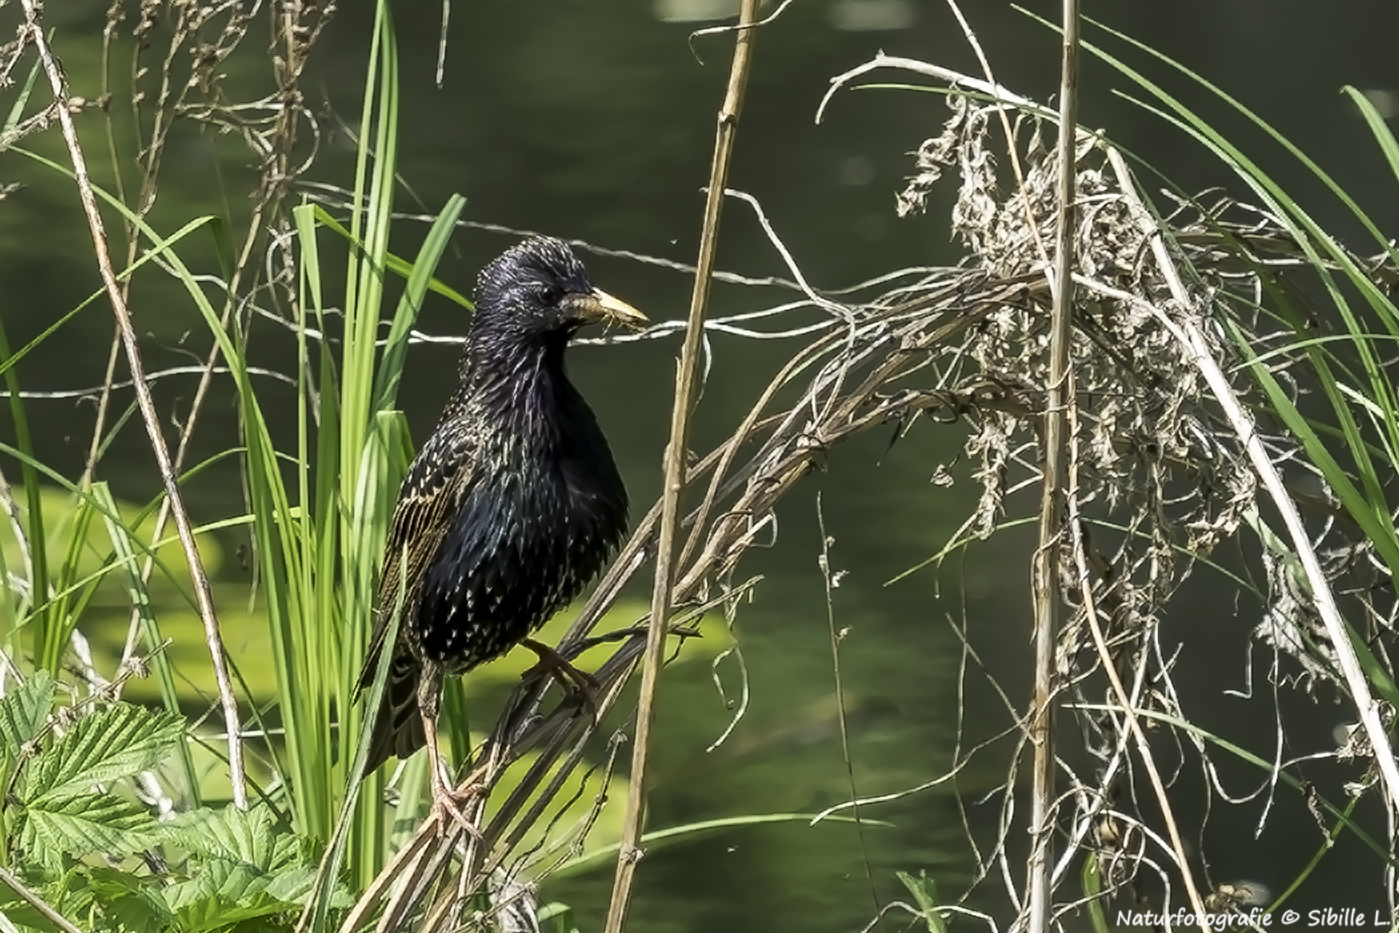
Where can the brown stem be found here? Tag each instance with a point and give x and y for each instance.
(1045, 578)
(202, 592)
(630, 852)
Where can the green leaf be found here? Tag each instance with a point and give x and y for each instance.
(70, 894)
(224, 893)
(241, 869)
(434, 245)
(292, 887)
(1376, 121)
(271, 924)
(925, 893)
(111, 743)
(23, 712)
(557, 918)
(83, 824)
(1093, 892)
(221, 880)
(17, 108)
(124, 548)
(392, 263)
(132, 903)
(243, 836)
(20, 913)
(214, 913)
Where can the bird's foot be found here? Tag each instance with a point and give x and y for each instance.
(447, 803)
(576, 683)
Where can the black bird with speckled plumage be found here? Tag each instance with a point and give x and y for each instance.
(511, 507)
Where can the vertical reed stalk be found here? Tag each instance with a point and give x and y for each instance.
(1046, 567)
(629, 852)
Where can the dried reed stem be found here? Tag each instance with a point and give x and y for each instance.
(1045, 579)
(202, 592)
(629, 852)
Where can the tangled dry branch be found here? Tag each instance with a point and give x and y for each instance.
(1162, 479)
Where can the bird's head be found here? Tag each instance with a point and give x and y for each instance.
(539, 288)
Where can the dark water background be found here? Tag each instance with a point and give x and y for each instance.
(594, 120)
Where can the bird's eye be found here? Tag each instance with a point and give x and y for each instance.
(551, 294)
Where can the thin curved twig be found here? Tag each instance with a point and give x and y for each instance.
(1090, 610)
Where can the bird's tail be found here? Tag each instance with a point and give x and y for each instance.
(398, 727)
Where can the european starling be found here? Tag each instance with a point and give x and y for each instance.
(511, 507)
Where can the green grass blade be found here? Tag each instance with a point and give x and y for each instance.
(17, 108)
(1243, 754)
(392, 263)
(33, 524)
(1092, 877)
(125, 545)
(391, 368)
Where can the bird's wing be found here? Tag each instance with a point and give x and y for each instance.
(438, 480)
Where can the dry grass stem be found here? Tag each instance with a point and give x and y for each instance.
(203, 593)
(1198, 348)
(197, 33)
(677, 453)
(1044, 586)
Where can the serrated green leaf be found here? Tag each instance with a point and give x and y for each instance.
(70, 895)
(130, 902)
(205, 916)
(83, 824)
(223, 893)
(22, 713)
(111, 743)
(291, 887)
(240, 870)
(232, 834)
(226, 881)
(19, 912)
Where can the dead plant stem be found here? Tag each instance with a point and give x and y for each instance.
(629, 852)
(881, 60)
(202, 592)
(1045, 580)
(36, 902)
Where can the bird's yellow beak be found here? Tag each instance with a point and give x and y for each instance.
(598, 307)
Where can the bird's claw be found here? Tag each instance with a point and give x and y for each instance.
(446, 806)
(581, 685)
(445, 812)
(576, 683)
